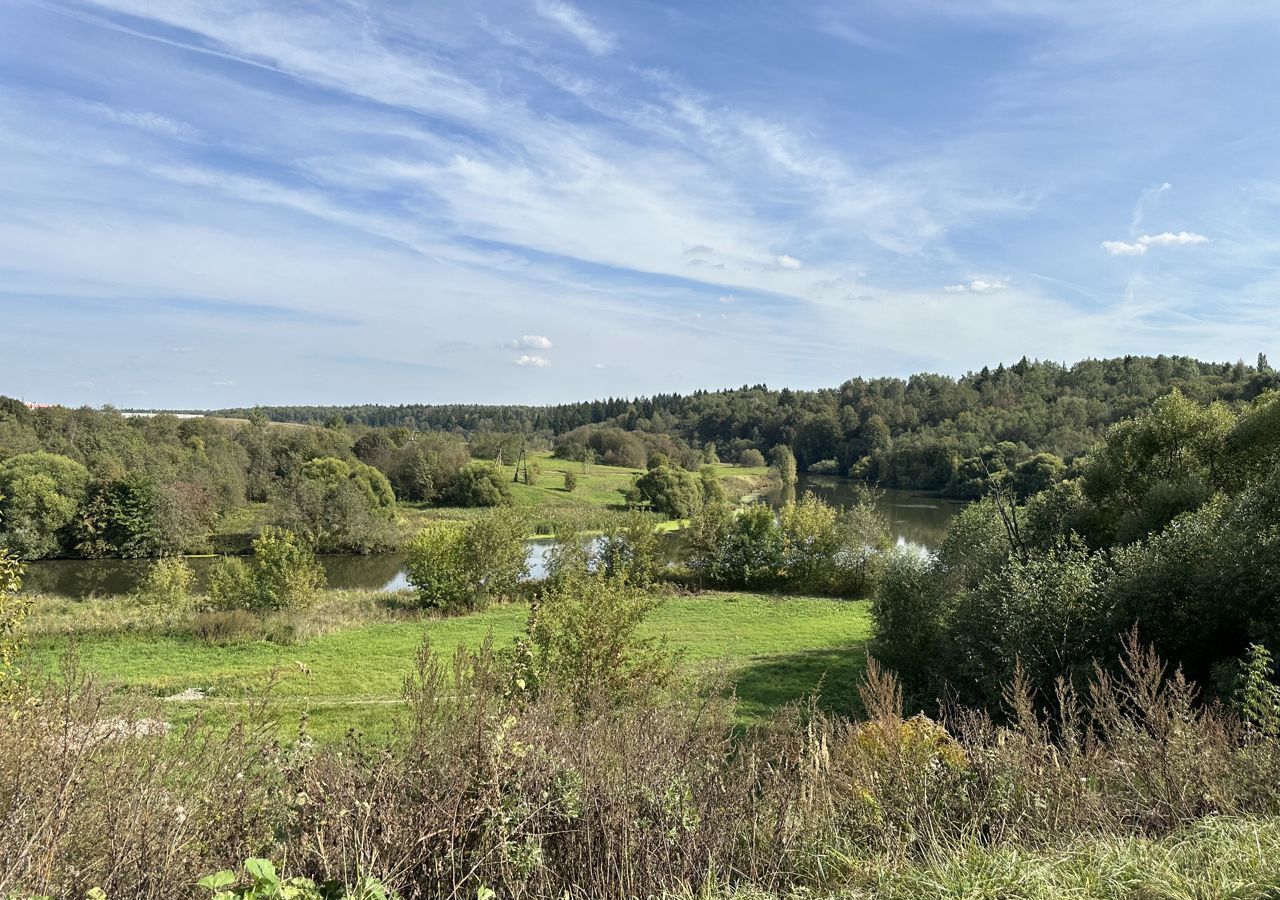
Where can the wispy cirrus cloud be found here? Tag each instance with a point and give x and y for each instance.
(576, 23)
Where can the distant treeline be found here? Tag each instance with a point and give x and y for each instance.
(925, 432)
(95, 483)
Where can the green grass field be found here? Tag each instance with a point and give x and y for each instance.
(773, 650)
(598, 494)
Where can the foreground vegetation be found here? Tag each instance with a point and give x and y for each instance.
(515, 776)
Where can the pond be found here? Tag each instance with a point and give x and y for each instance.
(914, 517)
(917, 519)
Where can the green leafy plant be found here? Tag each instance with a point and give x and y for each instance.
(261, 881)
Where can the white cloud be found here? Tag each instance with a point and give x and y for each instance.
(1170, 239)
(572, 20)
(1164, 239)
(977, 286)
(531, 342)
(1124, 248)
(537, 362)
(789, 262)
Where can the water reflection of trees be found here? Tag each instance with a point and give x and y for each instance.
(84, 577)
(373, 571)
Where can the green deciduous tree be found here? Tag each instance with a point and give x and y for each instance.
(480, 484)
(42, 492)
(340, 506)
(670, 491)
(117, 518)
(784, 463)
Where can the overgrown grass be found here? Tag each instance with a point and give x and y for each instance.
(344, 661)
(1215, 857)
(1128, 788)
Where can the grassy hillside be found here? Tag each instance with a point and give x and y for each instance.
(773, 650)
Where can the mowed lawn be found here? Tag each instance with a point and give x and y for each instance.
(773, 649)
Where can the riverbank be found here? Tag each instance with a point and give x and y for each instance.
(342, 664)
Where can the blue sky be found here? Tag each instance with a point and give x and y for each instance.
(223, 202)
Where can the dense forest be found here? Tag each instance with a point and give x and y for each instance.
(928, 432)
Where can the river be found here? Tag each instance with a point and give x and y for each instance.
(914, 518)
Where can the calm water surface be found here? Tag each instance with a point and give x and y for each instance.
(919, 519)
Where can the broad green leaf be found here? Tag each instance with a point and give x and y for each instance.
(216, 881)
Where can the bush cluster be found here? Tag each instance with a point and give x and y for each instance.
(460, 566)
(283, 574)
(809, 546)
(1169, 525)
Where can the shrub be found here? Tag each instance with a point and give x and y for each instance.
(570, 482)
(906, 609)
(584, 632)
(286, 571)
(751, 459)
(463, 566)
(481, 485)
(752, 555)
(262, 882)
(832, 551)
(13, 609)
(168, 582)
(436, 562)
(231, 584)
(632, 550)
(284, 574)
(825, 467)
